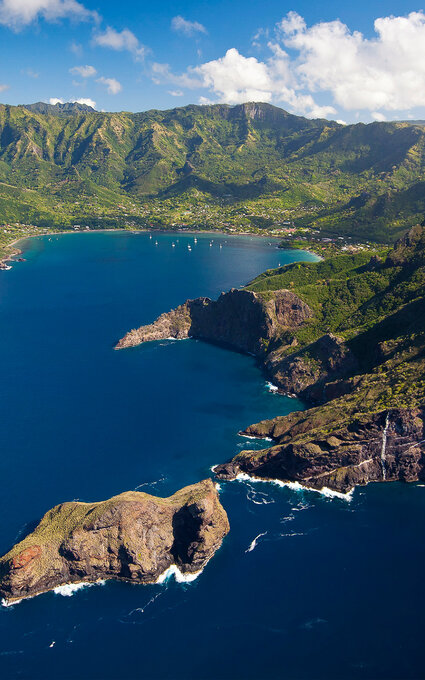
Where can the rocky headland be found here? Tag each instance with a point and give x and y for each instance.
(347, 335)
(134, 537)
(241, 319)
(386, 446)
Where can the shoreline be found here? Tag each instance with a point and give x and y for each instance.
(14, 253)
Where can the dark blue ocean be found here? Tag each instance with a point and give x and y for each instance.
(330, 590)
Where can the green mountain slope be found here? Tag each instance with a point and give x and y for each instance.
(61, 164)
(361, 358)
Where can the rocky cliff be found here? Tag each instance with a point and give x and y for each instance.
(244, 320)
(385, 446)
(133, 536)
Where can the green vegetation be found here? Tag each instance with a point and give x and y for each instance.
(377, 306)
(251, 167)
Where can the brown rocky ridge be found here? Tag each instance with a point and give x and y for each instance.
(244, 320)
(386, 446)
(134, 537)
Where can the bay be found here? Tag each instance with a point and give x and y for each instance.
(304, 586)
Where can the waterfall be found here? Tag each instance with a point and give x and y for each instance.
(384, 447)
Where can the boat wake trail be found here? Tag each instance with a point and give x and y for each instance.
(253, 543)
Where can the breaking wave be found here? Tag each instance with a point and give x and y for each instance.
(296, 486)
(70, 588)
(173, 570)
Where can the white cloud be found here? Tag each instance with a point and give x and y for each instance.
(189, 28)
(113, 86)
(235, 79)
(84, 100)
(386, 72)
(83, 71)
(3, 87)
(161, 73)
(55, 100)
(121, 41)
(176, 93)
(18, 13)
(322, 70)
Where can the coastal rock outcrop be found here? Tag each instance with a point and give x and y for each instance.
(386, 446)
(241, 319)
(305, 372)
(134, 537)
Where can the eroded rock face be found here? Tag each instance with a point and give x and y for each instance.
(387, 446)
(306, 372)
(242, 319)
(133, 536)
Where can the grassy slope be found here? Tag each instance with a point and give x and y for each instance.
(365, 180)
(378, 307)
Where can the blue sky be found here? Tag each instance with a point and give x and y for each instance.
(346, 61)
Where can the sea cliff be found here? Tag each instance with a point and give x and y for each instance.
(134, 537)
(347, 335)
(242, 319)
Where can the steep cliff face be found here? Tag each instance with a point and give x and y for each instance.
(244, 320)
(386, 446)
(307, 371)
(133, 536)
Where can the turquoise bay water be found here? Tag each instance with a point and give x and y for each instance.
(330, 589)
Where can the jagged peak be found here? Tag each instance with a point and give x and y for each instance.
(58, 108)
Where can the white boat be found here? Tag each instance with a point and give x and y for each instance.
(173, 245)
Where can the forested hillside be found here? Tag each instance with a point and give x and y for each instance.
(253, 163)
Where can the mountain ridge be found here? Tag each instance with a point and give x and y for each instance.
(254, 163)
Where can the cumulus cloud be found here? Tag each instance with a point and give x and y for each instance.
(235, 78)
(121, 41)
(321, 70)
(113, 86)
(55, 100)
(189, 28)
(18, 13)
(83, 71)
(385, 72)
(176, 93)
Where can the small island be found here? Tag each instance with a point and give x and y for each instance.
(133, 537)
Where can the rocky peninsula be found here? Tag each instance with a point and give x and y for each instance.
(241, 319)
(347, 335)
(134, 537)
